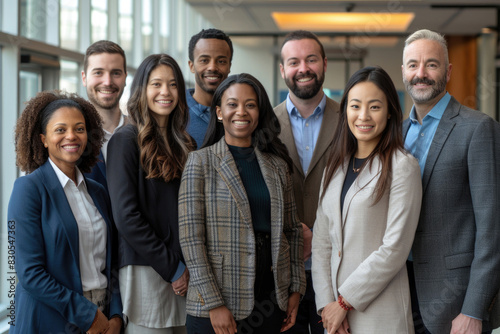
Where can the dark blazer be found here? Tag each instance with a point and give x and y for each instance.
(217, 235)
(457, 243)
(144, 210)
(306, 187)
(98, 172)
(49, 296)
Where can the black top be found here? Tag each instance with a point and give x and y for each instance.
(255, 187)
(145, 210)
(349, 178)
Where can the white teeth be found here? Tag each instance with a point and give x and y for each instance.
(212, 78)
(70, 147)
(106, 91)
(241, 122)
(164, 101)
(365, 127)
(304, 79)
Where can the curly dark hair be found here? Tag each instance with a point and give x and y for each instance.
(30, 150)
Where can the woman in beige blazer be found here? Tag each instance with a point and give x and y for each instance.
(238, 226)
(367, 214)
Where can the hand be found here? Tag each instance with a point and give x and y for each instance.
(222, 320)
(115, 325)
(291, 311)
(333, 317)
(100, 324)
(463, 324)
(181, 285)
(344, 328)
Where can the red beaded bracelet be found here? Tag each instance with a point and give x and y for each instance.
(343, 304)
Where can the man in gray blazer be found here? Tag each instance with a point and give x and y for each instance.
(456, 252)
(308, 120)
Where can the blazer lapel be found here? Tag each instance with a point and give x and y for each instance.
(331, 205)
(101, 164)
(326, 133)
(272, 180)
(366, 176)
(229, 173)
(287, 135)
(443, 130)
(105, 215)
(57, 195)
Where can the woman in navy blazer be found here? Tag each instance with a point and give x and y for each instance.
(58, 137)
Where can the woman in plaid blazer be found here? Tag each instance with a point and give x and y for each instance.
(238, 227)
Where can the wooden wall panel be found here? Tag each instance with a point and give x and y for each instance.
(462, 51)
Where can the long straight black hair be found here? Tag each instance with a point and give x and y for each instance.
(345, 143)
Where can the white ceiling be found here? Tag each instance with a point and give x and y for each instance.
(248, 21)
(254, 16)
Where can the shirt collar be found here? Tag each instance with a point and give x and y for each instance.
(292, 110)
(108, 134)
(436, 112)
(194, 106)
(64, 179)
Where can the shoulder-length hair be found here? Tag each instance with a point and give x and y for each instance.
(30, 151)
(265, 135)
(345, 143)
(161, 156)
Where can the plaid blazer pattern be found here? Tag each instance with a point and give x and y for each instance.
(217, 237)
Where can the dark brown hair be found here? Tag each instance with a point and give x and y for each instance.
(164, 158)
(300, 35)
(30, 150)
(104, 47)
(345, 143)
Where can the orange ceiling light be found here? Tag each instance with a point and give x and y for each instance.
(344, 22)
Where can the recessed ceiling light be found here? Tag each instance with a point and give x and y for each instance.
(344, 22)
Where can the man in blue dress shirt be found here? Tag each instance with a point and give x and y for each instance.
(210, 56)
(308, 119)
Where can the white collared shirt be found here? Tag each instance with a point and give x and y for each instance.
(92, 231)
(107, 137)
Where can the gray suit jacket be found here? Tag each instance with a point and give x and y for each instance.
(216, 232)
(306, 187)
(457, 243)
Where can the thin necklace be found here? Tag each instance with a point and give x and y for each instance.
(355, 170)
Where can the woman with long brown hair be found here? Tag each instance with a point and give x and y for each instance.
(144, 166)
(367, 214)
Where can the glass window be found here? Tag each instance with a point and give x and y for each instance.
(126, 26)
(99, 20)
(69, 77)
(69, 24)
(164, 25)
(30, 83)
(33, 19)
(147, 27)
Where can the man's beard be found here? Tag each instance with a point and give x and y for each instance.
(428, 94)
(203, 85)
(307, 92)
(108, 104)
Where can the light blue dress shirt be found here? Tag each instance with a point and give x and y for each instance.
(305, 133)
(419, 137)
(305, 130)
